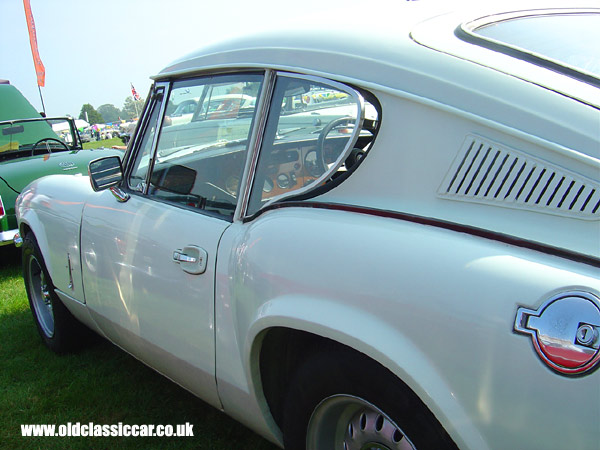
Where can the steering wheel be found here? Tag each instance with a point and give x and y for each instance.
(321, 163)
(46, 140)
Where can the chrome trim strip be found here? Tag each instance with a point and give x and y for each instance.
(135, 134)
(70, 267)
(165, 91)
(143, 122)
(263, 107)
(66, 298)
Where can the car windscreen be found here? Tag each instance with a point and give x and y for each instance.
(29, 137)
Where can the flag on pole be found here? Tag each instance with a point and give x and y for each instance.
(134, 93)
(40, 70)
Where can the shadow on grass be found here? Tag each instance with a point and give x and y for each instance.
(10, 258)
(102, 384)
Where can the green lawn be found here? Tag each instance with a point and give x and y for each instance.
(105, 143)
(102, 384)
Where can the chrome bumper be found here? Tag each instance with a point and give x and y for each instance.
(9, 237)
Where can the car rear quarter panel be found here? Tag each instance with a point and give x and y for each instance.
(420, 141)
(434, 306)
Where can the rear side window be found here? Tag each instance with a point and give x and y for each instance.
(315, 129)
(565, 41)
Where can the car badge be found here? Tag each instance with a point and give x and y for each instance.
(565, 331)
(67, 165)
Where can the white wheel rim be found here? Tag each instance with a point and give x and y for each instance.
(347, 422)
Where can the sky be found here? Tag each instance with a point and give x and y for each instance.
(94, 49)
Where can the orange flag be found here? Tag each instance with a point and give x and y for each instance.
(37, 61)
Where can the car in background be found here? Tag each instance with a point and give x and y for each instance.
(391, 243)
(33, 148)
(211, 107)
(125, 131)
(86, 136)
(184, 111)
(109, 133)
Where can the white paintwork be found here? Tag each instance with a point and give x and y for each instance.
(140, 297)
(415, 161)
(436, 307)
(443, 330)
(52, 207)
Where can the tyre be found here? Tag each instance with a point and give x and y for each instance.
(59, 330)
(340, 399)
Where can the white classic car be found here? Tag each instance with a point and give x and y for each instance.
(411, 262)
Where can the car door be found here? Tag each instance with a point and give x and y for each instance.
(149, 256)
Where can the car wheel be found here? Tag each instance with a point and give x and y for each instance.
(343, 400)
(59, 330)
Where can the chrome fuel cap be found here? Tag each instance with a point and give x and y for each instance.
(565, 331)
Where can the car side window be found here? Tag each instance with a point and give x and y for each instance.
(309, 128)
(200, 155)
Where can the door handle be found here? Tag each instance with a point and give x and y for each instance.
(192, 259)
(181, 257)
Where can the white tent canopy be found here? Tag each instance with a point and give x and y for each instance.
(80, 123)
(61, 126)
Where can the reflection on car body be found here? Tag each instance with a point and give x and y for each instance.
(391, 245)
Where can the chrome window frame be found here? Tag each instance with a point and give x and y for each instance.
(256, 137)
(135, 135)
(144, 122)
(165, 87)
(265, 115)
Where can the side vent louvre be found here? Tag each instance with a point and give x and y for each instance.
(488, 173)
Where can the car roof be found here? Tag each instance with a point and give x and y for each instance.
(410, 49)
(407, 36)
(310, 45)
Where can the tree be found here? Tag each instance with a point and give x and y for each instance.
(92, 116)
(132, 108)
(109, 113)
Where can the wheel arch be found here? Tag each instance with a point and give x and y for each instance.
(283, 341)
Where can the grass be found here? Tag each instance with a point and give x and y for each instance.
(102, 384)
(108, 143)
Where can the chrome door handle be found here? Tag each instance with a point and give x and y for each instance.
(181, 257)
(192, 259)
